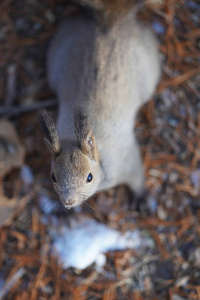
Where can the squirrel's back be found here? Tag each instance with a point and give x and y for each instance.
(77, 37)
(95, 68)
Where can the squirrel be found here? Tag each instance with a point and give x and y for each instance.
(103, 67)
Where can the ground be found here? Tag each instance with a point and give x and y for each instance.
(168, 129)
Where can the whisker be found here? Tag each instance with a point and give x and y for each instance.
(47, 205)
(89, 206)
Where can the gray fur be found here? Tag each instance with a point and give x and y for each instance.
(108, 75)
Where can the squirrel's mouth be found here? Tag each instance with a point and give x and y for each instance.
(68, 206)
(68, 203)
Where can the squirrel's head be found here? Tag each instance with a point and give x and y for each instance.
(76, 167)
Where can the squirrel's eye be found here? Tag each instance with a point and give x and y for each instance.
(90, 141)
(53, 177)
(89, 178)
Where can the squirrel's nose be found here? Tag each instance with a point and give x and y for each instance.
(68, 203)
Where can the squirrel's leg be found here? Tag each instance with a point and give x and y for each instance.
(135, 180)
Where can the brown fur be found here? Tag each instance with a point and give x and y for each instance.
(101, 79)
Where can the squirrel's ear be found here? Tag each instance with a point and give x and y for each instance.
(49, 128)
(84, 134)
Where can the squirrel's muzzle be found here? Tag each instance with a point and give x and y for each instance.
(68, 203)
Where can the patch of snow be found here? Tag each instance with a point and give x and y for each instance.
(85, 241)
(158, 27)
(193, 4)
(177, 297)
(26, 175)
(2, 281)
(152, 204)
(195, 177)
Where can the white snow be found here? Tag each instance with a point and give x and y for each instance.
(26, 175)
(86, 241)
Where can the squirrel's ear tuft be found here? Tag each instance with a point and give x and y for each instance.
(49, 129)
(84, 134)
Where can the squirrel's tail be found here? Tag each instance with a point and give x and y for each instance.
(108, 11)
